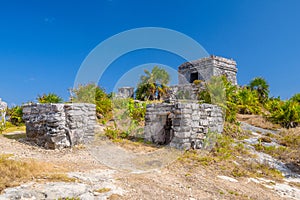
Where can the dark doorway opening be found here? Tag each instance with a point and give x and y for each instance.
(194, 76)
(168, 131)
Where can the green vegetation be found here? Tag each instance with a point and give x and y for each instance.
(91, 93)
(129, 119)
(153, 85)
(15, 114)
(251, 99)
(231, 98)
(260, 85)
(296, 98)
(285, 113)
(137, 110)
(49, 98)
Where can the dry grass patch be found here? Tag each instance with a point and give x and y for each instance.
(229, 158)
(233, 130)
(103, 190)
(295, 184)
(258, 121)
(15, 172)
(289, 151)
(14, 129)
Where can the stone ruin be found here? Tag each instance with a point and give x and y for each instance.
(55, 126)
(125, 92)
(203, 69)
(182, 124)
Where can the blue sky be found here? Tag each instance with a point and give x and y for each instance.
(43, 43)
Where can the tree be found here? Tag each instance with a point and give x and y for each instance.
(153, 85)
(49, 98)
(92, 93)
(262, 87)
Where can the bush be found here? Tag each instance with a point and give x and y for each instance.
(248, 101)
(91, 93)
(49, 98)
(15, 114)
(221, 92)
(296, 98)
(137, 110)
(114, 133)
(287, 114)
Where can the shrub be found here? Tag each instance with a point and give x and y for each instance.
(287, 114)
(273, 104)
(248, 101)
(49, 98)
(137, 110)
(296, 98)
(15, 114)
(91, 93)
(114, 133)
(221, 92)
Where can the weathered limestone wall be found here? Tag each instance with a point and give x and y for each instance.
(60, 125)
(182, 124)
(205, 68)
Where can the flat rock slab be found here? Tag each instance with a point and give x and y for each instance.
(86, 188)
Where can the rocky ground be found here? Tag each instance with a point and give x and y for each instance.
(104, 170)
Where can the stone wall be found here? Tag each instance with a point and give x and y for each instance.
(205, 68)
(182, 124)
(59, 125)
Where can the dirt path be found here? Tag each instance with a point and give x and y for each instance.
(155, 175)
(116, 157)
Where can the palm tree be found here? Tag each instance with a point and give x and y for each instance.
(262, 87)
(153, 85)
